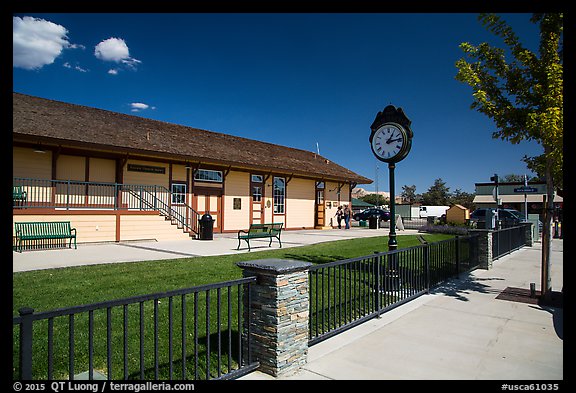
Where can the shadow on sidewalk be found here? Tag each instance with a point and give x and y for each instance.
(459, 287)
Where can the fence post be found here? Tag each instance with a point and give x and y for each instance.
(457, 255)
(68, 194)
(528, 234)
(279, 321)
(26, 343)
(377, 286)
(427, 265)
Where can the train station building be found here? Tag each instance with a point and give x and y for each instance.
(119, 177)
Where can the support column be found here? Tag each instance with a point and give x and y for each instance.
(484, 248)
(280, 313)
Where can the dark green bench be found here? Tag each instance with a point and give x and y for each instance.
(259, 231)
(18, 195)
(44, 231)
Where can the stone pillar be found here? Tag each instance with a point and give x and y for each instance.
(280, 312)
(484, 247)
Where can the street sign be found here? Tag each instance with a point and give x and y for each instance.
(526, 190)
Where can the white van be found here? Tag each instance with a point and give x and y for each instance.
(436, 211)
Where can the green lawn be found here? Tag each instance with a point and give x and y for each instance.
(56, 288)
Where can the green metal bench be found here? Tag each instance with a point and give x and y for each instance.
(18, 195)
(53, 230)
(259, 231)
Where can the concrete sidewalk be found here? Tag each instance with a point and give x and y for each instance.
(459, 331)
(133, 251)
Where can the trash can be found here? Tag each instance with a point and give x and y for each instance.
(373, 222)
(206, 226)
(362, 223)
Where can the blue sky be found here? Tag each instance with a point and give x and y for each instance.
(300, 80)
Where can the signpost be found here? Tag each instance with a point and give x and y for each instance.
(525, 190)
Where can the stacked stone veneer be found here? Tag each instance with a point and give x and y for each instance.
(485, 256)
(279, 303)
(484, 248)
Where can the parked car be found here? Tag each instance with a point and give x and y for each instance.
(508, 217)
(383, 215)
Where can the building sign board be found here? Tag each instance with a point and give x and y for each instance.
(146, 168)
(525, 189)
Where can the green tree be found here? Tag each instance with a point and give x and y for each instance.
(524, 97)
(437, 195)
(465, 199)
(375, 199)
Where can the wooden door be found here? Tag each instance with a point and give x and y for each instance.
(257, 200)
(210, 201)
(320, 207)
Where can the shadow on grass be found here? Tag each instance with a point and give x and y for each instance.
(316, 259)
(222, 359)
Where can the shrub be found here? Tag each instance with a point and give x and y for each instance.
(448, 229)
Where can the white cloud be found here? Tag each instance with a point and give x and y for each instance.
(139, 106)
(36, 42)
(77, 67)
(116, 50)
(113, 71)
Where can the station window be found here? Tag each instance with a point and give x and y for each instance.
(257, 193)
(208, 175)
(256, 186)
(178, 193)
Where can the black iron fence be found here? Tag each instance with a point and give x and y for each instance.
(506, 240)
(203, 332)
(71, 194)
(194, 333)
(346, 293)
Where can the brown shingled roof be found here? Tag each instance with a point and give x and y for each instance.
(74, 125)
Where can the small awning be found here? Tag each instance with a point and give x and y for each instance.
(514, 198)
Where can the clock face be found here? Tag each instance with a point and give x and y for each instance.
(388, 141)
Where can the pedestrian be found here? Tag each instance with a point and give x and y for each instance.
(347, 214)
(339, 216)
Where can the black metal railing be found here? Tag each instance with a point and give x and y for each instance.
(71, 194)
(193, 333)
(506, 240)
(159, 198)
(346, 293)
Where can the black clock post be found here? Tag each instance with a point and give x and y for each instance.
(392, 243)
(391, 141)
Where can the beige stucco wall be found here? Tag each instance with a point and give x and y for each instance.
(300, 203)
(102, 227)
(89, 228)
(71, 168)
(178, 172)
(237, 186)
(144, 178)
(331, 195)
(26, 163)
(102, 170)
(137, 227)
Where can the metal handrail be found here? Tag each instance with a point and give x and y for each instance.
(188, 220)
